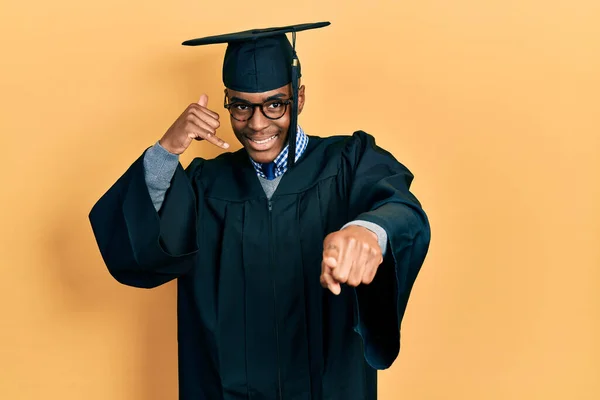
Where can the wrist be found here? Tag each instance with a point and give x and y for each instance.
(379, 233)
(165, 145)
(362, 229)
(373, 234)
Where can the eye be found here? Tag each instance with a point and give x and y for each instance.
(240, 106)
(275, 105)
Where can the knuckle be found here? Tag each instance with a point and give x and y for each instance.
(353, 281)
(340, 277)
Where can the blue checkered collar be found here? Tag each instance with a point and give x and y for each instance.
(281, 159)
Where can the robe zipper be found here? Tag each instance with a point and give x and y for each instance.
(274, 300)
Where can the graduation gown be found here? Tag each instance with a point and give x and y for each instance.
(253, 319)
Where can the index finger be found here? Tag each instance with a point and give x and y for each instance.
(328, 281)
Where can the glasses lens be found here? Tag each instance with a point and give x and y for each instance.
(240, 111)
(274, 108)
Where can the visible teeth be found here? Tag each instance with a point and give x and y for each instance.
(264, 141)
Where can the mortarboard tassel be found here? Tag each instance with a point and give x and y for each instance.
(294, 115)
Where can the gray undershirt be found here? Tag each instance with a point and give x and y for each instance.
(160, 166)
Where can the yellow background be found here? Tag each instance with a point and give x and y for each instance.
(494, 105)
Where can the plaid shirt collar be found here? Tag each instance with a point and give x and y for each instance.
(281, 159)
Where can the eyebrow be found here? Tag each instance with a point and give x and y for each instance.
(273, 97)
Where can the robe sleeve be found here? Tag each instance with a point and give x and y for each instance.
(140, 246)
(380, 193)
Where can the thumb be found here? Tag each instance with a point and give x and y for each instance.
(203, 100)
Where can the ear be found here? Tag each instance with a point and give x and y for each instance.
(301, 98)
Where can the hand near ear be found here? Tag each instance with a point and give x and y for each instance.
(197, 122)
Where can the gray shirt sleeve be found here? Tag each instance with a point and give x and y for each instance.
(159, 168)
(376, 229)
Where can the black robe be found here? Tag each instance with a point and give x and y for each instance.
(253, 319)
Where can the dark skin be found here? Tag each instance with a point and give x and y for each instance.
(350, 256)
(259, 127)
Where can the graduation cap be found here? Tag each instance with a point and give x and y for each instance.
(259, 60)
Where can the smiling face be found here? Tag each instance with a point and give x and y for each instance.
(264, 138)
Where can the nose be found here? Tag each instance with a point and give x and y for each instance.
(258, 122)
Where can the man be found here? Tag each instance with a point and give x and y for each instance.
(294, 256)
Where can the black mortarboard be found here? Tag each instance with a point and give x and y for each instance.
(259, 60)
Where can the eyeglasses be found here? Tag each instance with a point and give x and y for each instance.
(243, 110)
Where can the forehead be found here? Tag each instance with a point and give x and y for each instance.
(284, 91)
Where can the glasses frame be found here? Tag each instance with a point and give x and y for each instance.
(285, 103)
